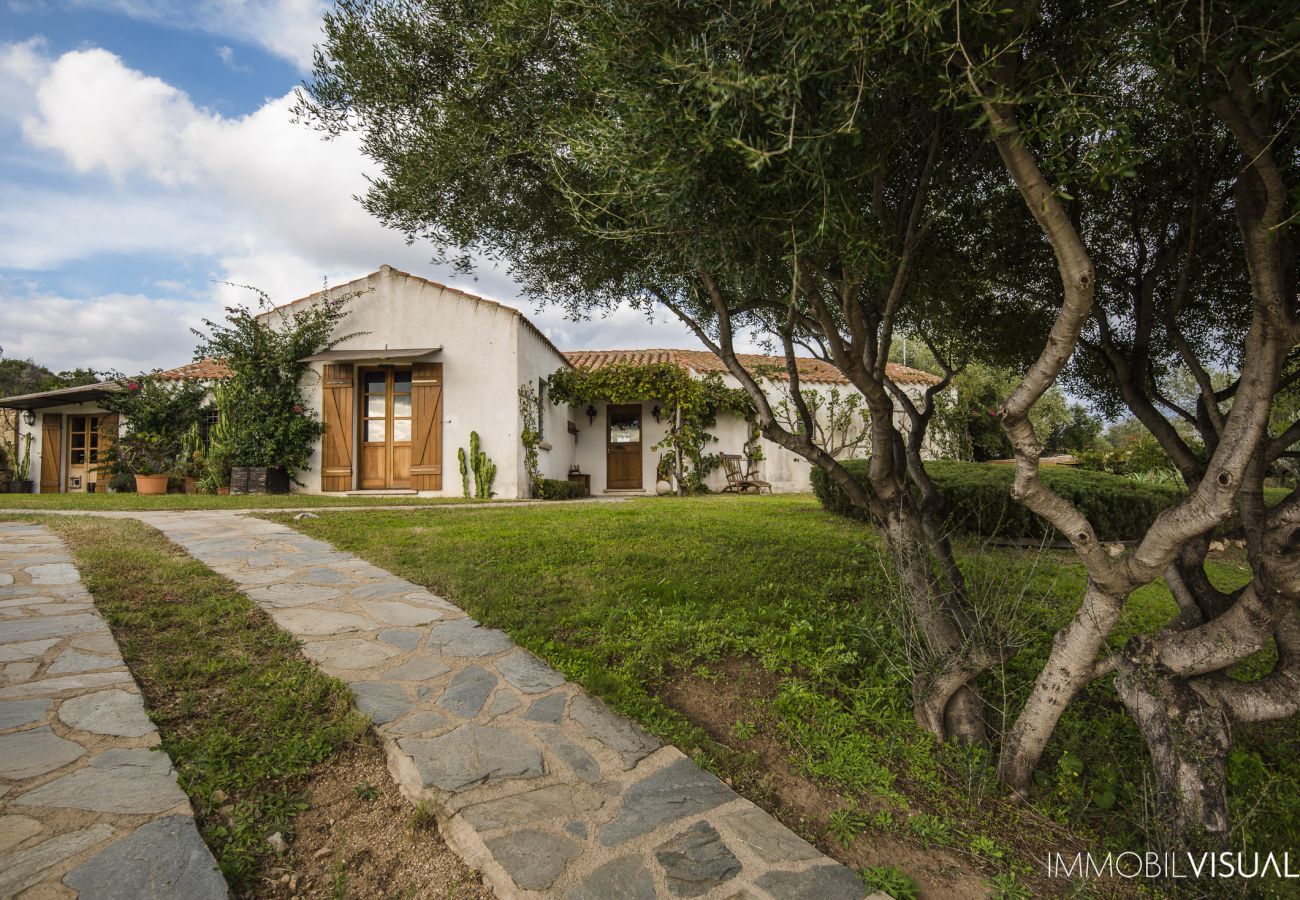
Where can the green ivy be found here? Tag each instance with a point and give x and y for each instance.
(693, 404)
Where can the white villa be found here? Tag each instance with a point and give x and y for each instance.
(430, 364)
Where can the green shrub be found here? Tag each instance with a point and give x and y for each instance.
(558, 489)
(978, 496)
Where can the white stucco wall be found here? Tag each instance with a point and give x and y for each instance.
(486, 351)
(788, 472)
(537, 361)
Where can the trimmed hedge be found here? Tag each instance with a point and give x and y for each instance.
(559, 489)
(978, 496)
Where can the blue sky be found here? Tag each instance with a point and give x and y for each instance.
(147, 156)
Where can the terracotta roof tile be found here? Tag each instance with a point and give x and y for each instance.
(203, 370)
(814, 371)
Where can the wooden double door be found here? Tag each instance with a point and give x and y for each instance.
(387, 422)
(383, 427)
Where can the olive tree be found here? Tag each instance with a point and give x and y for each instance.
(787, 171)
(1133, 133)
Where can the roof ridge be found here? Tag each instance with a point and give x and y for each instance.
(818, 369)
(393, 270)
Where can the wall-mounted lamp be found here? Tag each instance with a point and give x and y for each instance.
(30, 418)
(655, 412)
(591, 415)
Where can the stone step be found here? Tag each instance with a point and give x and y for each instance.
(395, 492)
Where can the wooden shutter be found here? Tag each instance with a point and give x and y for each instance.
(107, 432)
(426, 438)
(336, 443)
(107, 438)
(51, 453)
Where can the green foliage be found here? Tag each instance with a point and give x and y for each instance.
(216, 463)
(697, 402)
(464, 472)
(156, 414)
(22, 462)
(146, 453)
(1008, 886)
(841, 419)
(530, 435)
(482, 467)
(192, 462)
(929, 829)
(558, 489)
(892, 880)
(269, 424)
(1130, 451)
(23, 376)
(978, 498)
(846, 823)
(969, 423)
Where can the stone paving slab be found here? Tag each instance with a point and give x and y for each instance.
(89, 806)
(535, 783)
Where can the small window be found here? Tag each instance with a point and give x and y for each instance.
(541, 408)
(209, 421)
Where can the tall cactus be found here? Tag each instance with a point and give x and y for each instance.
(485, 471)
(476, 461)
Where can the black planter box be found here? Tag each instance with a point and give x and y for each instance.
(20, 487)
(258, 480)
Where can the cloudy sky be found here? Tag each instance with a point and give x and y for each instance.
(147, 155)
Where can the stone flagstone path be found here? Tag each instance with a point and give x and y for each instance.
(87, 808)
(535, 783)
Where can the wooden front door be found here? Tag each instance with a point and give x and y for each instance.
(623, 446)
(386, 428)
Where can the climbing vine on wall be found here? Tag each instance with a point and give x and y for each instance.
(530, 435)
(692, 405)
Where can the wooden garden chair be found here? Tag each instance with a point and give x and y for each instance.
(738, 480)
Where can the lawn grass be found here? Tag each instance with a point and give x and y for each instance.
(242, 714)
(143, 502)
(624, 598)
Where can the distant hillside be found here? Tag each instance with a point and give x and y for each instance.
(25, 376)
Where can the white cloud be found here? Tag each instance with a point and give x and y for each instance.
(22, 66)
(100, 114)
(255, 199)
(41, 229)
(285, 28)
(227, 57)
(127, 333)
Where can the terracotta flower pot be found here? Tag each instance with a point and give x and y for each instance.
(223, 491)
(151, 484)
